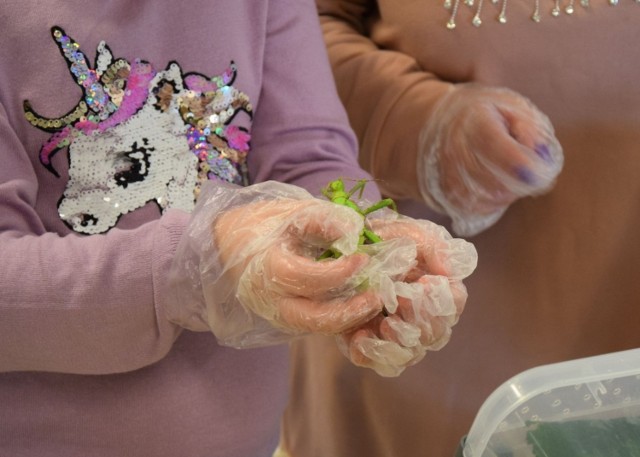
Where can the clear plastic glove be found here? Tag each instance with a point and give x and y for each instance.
(430, 298)
(482, 149)
(247, 267)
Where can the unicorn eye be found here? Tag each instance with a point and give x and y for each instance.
(84, 220)
(133, 165)
(87, 220)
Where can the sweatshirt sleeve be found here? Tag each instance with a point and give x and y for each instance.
(301, 133)
(75, 304)
(387, 95)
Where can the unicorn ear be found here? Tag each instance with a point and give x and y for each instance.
(163, 92)
(104, 58)
(165, 85)
(173, 74)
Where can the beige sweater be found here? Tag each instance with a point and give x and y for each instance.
(558, 275)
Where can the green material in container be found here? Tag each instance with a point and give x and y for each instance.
(587, 438)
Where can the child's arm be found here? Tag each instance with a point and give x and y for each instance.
(301, 134)
(75, 303)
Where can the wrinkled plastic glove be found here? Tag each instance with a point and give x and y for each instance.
(430, 298)
(483, 149)
(249, 273)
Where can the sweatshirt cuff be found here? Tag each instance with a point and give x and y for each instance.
(169, 306)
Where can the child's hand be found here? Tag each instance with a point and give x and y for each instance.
(269, 249)
(431, 297)
(422, 322)
(438, 253)
(247, 269)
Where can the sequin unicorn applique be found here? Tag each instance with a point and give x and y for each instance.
(140, 135)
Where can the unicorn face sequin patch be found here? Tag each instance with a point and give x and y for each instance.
(141, 135)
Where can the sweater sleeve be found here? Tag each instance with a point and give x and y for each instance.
(75, 304)
(388, 96)
(301, 133)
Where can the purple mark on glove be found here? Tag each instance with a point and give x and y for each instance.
(525, 175)
(543, 151)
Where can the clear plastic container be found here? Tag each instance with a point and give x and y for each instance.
(587, 407)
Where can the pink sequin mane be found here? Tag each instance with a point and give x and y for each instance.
(114, 90)
(139, 135)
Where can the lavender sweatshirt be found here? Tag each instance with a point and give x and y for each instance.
(90, 362)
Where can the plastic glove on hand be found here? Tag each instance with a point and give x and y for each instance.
(483, 149)
(269, 249)
(246, 267)
(430, 298)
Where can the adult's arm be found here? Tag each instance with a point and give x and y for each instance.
(388, 96)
